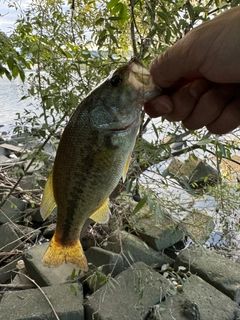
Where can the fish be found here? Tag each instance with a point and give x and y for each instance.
(93, 154)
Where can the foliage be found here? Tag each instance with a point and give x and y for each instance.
(70, 47)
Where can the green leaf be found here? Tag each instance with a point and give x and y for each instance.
(15, 71)
(99, 22)
(204, 142)
(139, 206)
(117, 8)
(123, 12)
(22, 75)
(112, 3)
(10, 62)
(73, 289)
(164, 16)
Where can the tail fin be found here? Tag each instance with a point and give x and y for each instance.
(58, 254)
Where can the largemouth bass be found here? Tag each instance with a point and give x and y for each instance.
(93, 154)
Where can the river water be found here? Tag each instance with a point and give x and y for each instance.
(11, 93)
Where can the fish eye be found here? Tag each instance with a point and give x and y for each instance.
(116, 80)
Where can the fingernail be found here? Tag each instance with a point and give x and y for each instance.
(163, 107)
(198, 87)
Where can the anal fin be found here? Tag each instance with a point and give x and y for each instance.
(102, 214)
(125, 170)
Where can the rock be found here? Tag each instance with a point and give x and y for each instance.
(35, 166)
(4, 159)
(66, 300)
(45, 276)
(198, 226)
(7, 272)
(230, 168)
(9, 240)
(4, 152)
(49, 231)
(21, 280)
(36, 216)
(220, 272)
(51, 147)
(197, 301)
(26, 233)
(110, 262)
(102, 264)
(134, 250)
(28, 182)
(25, 136)
(129, 295)
(195, 173)
(12, 209)
(158, 234)
(98, 259)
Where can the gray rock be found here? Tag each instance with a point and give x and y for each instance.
(26, 233)
(50, 148)
(159, 234)
(66, 299)
(102, 265)
(28, 182)
(194, 172)
(4, 151)
(49, 231)
(198, 226)
(110, 262)
(12, 210)
(36, 215)
(45, 276)
(9, 240)
(35, 166)
(134, 250)
(4, 159)
(197, 301)
(25, 136)
(21, 279)
(220, 272)
(7, 272)
(129, 295)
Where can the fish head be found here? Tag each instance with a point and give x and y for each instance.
(119, 99)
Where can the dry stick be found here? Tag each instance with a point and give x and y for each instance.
(49, 302)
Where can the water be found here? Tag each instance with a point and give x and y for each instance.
(11, 93)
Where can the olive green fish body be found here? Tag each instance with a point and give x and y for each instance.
(92, 155)
(88, 166)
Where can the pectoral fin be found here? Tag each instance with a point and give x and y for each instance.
(102, 215)
(125, 170)
(48, 202)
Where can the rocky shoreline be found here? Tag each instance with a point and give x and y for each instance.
(145, 272)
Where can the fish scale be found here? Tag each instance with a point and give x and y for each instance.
(93, 153)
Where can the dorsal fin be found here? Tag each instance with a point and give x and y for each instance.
(102, 214)
(48, 202)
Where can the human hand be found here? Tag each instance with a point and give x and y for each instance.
(201, 77)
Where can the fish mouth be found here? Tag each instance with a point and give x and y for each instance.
(132, 124)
